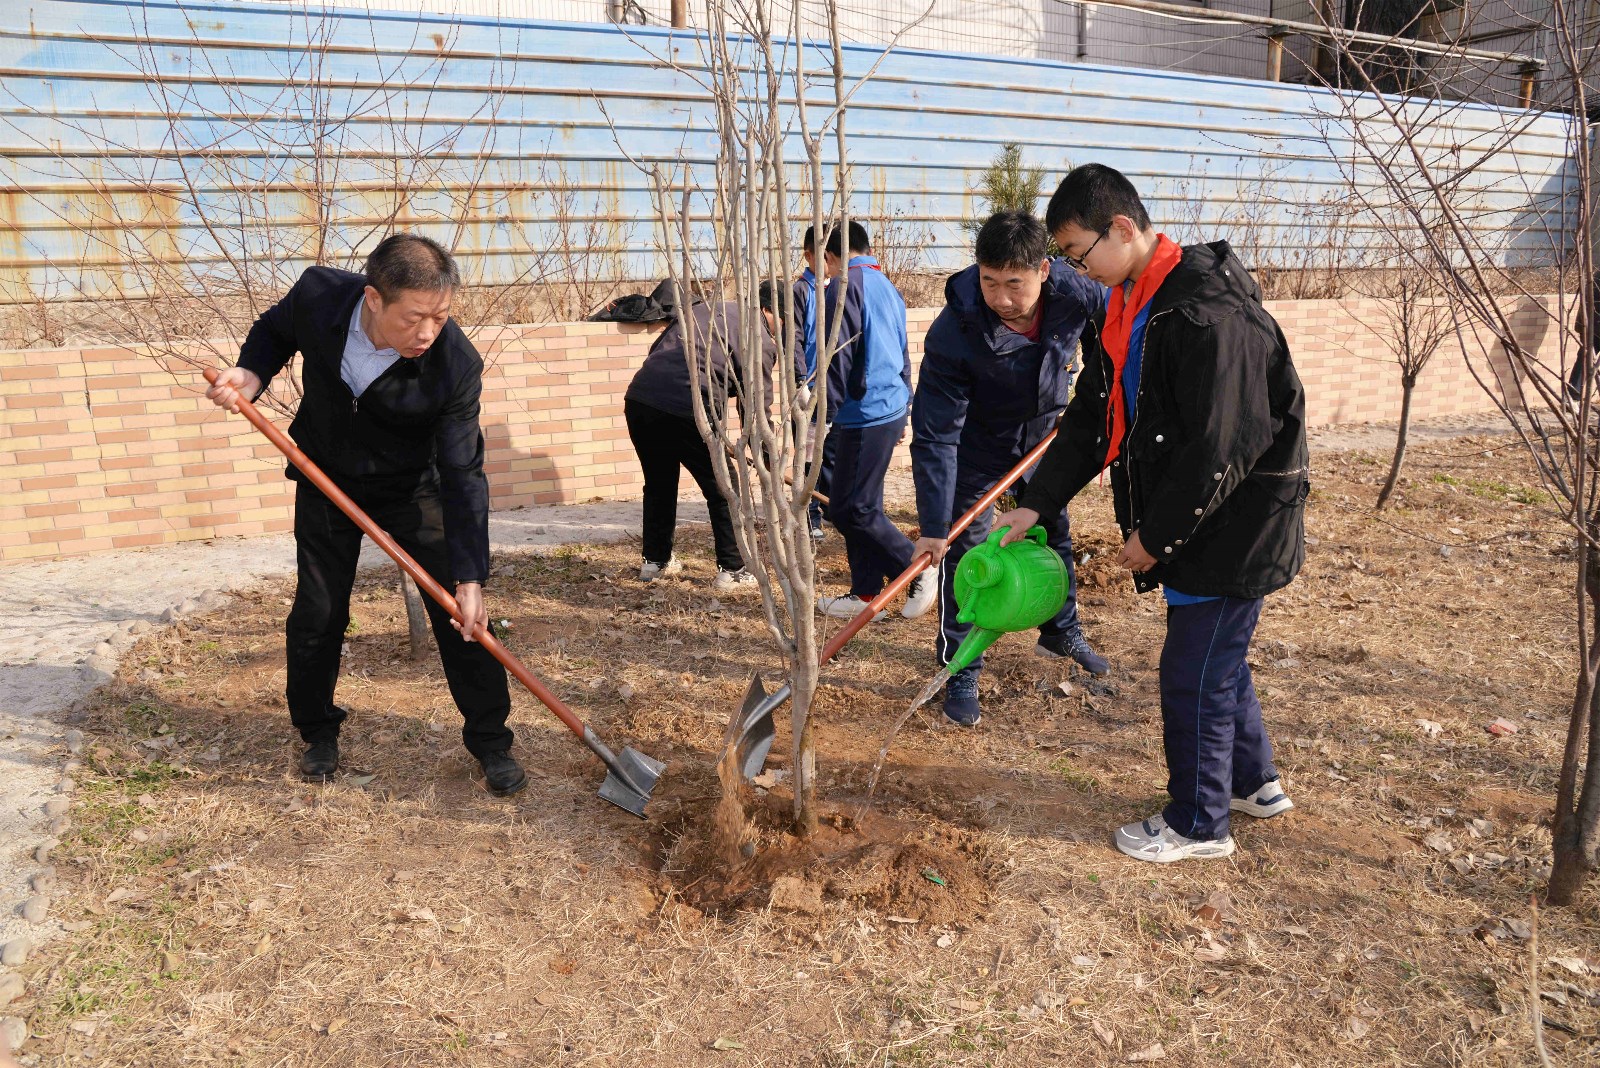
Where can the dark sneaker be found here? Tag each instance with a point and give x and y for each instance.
(961, 699)
(320, 761)
(502, 774)
(1074, 645)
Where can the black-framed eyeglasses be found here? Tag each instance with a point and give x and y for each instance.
(1076, 262)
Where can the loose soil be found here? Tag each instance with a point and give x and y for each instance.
(976, 914)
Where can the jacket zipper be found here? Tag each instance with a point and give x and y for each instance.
(1138, 398)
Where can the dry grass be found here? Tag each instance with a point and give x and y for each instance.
(409, 919)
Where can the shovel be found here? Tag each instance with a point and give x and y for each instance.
(755, 729)
(630, 776)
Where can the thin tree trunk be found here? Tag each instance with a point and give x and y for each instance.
(416, 617)
(1573, 831)
(1408, 383)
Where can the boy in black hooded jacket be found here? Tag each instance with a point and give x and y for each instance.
(1190, 398)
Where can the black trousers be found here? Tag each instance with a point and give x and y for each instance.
(877, 549)
(666, 442)
(327, 545)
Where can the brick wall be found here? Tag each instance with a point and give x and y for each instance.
(105, 449)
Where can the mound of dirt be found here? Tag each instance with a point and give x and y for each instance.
(896, 868)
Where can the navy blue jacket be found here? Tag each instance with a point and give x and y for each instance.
(869, 379)
(985, 393)
(416, 423)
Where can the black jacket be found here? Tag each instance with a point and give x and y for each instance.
(1214, 471)
(985, 393)
(663, 380)
(416, 424)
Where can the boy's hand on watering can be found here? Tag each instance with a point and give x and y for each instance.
(1020, 520)
(1133, 557)
(469, 607)
(934, 547)
(232, 386)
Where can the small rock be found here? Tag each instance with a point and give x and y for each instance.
(1501, 727)
(105, 649)
(36, 908)
(139, 626)
(60, 826)
(504, 571)
(57, 806)
(1312, 541)
(11, 988)
(170, 615)
(1152, 1052)
(170, 962)
(149, 675)
(13, 1032)
(1439, 843)
(66, 785)
(189, 607)
(14, 953)
(625, 692)
(43, 882)
(41, 852)
(1445, 551)
(1049, 1000)
(74, 740)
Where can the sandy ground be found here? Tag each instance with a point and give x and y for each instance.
(64, 624)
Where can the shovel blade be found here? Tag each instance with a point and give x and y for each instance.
(641, 771)
(753, 730)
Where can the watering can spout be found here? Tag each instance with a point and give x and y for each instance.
(972, 646)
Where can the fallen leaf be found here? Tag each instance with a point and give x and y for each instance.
(1295, 931)
(1107, 1037)
(262, 946)
(726, 1044)
(1152, 1052)
(335, 1026)
(360, 780)
(413, 914)
(1082, 961)
(1211, 954)
(902, 919)
(1439, 843)
(1354, 1028)
(1575, 965)
(1049, 1000)
(961, 1005)
(170, 962)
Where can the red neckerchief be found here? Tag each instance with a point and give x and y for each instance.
(1118, 331)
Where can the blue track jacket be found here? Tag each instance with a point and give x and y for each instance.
(869, 380)
(985, 393)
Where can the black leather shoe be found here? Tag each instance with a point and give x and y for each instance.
(320, 761)
(502, 774)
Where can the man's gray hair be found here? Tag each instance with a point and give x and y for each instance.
(411, 261)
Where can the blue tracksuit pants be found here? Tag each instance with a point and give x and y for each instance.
(877, 549)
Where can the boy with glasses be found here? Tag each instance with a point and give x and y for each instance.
(1190, 397)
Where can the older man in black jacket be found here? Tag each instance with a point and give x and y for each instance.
(389, 409)
(1189, 395)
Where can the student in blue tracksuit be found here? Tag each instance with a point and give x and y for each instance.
(869, 392)
(997, 366)
(804, 306)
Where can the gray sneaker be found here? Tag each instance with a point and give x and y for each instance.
(727, 581)
(1154, 841)
(649, 571)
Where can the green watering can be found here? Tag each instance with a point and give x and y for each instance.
(1000, 590)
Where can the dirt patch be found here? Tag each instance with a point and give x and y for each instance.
(897, 868)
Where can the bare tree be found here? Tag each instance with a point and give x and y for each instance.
(1435, 167)
(766, 89)
(1413, 321)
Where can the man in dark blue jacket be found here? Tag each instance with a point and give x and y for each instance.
(869, 390)
(389, 410)
(997, 366)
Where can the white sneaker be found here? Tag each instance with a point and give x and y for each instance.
(847, 607)
(732, 580)
(1265, 803)
(1154, 841)
(921, 594)
(649, 571)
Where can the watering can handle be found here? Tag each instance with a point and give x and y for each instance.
(1037, 533)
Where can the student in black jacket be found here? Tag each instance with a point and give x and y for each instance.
(1190, 397)
(389, 409)
(659, 409)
